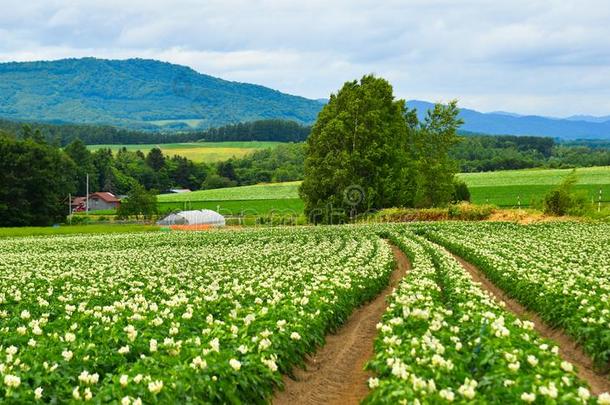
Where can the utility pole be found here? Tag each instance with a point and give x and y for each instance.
(87, 197)
(70, 208)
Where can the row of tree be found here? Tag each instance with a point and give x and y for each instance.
(37, 177)
(262, 130)
(490, 153)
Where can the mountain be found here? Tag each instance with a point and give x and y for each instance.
(588, 118)
(151, 95)
(139, 94)
(513, 124)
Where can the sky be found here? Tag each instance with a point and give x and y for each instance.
(545, 57)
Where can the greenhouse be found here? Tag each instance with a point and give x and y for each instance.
(194, 217)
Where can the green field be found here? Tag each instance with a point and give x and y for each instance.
(270, 191)
(239, 207)
(248, 200)
(504, 189)
(197, 151)
(507, 188)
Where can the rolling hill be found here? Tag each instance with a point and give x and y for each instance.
(152, 95)
(504, 123)
(138, 93)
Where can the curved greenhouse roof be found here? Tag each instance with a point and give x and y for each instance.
(194, 217)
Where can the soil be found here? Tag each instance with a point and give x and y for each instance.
(569, 350)
(335, 373)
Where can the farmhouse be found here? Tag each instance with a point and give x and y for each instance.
(97, 201)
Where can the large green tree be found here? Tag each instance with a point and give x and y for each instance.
(35, 179)
(356, 158)
(435, 168)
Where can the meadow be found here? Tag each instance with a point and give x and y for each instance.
(221, 316)
(256, 199)
(197, 151)
(511, 187)
(502, 188)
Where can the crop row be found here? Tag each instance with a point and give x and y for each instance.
(559, 271)
(175, 318)
(444, 339)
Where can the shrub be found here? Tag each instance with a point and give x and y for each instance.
(470, 212)
(460, 191)
(563, 200)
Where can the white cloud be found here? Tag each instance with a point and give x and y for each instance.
(546, 56)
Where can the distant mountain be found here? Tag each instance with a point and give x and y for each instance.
(588, 118)
(138, 93)
(510, 114)
(151, 95)
(513, 124)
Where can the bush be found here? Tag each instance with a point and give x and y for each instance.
(460, 191)
(216, 181)
(138, 202)
(470, 212)
(463, 212)
(411, 214)
(563, 200)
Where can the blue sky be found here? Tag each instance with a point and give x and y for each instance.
(538, 57)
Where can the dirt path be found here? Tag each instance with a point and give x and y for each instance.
(569, 350)
(335, 373)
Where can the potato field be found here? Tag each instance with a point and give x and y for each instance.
(228, 316)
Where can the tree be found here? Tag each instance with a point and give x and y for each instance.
(138, 202)
(356, 158)
(216, 181)
(155, 159)
(563, 200)
(436, 169)
(460, 191)
(226, 169)
(34, 183)
(82, 157)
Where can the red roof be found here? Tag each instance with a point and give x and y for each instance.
(102, 195)
(106, 196)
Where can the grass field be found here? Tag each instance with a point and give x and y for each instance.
(504, 189)
(249, 200)
(198, 151)
(239, 207)
(507, 188)
(271, 191)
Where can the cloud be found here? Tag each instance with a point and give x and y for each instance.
(544, 56)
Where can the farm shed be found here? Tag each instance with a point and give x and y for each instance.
(97, 201)
(194, 217)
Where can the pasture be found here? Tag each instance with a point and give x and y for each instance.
(197, 151)
(503, 188)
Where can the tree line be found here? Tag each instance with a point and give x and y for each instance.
(37, 176)
(473, 153)
(261, 130)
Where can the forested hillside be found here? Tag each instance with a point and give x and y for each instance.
(138, 93)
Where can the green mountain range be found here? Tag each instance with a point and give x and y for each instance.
(138, 94)
(158, 96)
